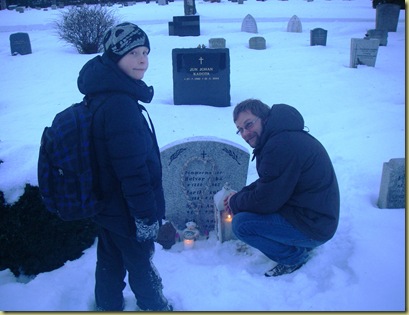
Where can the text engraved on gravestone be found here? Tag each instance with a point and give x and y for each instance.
(194, 169)
(363, 52)
(201, 76)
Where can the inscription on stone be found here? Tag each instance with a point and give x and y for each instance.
(194, 170)
(249, 24)
(201, 76)
(363, 52)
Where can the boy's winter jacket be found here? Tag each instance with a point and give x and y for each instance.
(127, 153)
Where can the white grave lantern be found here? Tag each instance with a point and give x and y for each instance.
(222, 217)
(190, 234)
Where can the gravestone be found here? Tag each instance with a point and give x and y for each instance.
(201, 76)
(392, 190)
(20, 44)
(190, 7)
(294, 25)
(257, 42)
(318, 36)
(217, 43)
(249, 24)
(3, 5)
(162, 2)
(363, 52)
(185, 26)
(382, 35)
(387, 17)
(194, 170)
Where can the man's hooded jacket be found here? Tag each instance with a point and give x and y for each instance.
(127, 153)
(296, 177)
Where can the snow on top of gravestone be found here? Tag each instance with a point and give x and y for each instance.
(203, 138)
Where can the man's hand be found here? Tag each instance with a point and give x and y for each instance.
(227, 203)
(146, 231)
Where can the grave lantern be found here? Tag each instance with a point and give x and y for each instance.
(222, 217)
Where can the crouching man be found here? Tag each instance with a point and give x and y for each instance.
(293, 206)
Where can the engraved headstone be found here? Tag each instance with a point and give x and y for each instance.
(382, 35)
(318, 36)
(392, 190)
(387, 17)
(363, 52)
(194, 170)
(217, 43)
(249, 24)
(257, 42)
(201, 76)
(20, 44)
(294, 25)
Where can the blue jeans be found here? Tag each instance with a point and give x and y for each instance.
(274, 237)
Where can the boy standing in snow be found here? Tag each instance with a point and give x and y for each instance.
(129, 171)
(294, 205)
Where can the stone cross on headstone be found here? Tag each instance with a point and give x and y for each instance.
(194, 170)
(249, 24)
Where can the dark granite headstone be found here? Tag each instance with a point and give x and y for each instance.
(185, 25)
(387, 16)
(194, 170)
(190, 7)
(20, 44)
(201, 76)
(318, 36)
(363, 52)
(382, 35)
(392, 191)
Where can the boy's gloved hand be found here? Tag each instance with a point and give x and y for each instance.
(145, 230)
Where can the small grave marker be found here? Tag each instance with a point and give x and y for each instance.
(258, 43)
(20, 44)
(392, 190)
(249, 24)
(382, 35)
(318, 36)
(363, 52)
(294, 25)
(217, 43)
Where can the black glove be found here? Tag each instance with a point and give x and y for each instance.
(145, 230)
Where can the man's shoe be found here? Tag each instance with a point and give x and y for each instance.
(282, 270)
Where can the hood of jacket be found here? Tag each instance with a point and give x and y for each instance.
(102, 75)
(281, 118)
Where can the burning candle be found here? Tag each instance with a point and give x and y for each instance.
(188, 244)
(228, 232)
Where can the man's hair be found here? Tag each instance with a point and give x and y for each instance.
(256, 107)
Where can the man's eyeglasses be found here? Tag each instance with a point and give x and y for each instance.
(247, 126)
